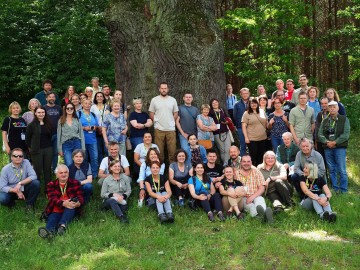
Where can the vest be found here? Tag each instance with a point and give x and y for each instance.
(339, 129)
(293, 151)
(83, 167)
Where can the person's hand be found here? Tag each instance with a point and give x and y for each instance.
(331, 144)
(247, 141)
(61, 154)
(186, 136)
(123, 131)
(107, 144)
(7, 149)
(118, 197)
(217, 184)
(297, 141)
(184, 186)
(20, 195)
(286, 166)
(272, 121)
(202, 197)
(323, 201)
(284, 118)
(179, 185)
(249, 199)
(69, 204)
(162, 199)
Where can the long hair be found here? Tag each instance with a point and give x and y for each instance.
(99, 93)
(147, 159)
(249, 109)
(63, 117)
(205, 177)
(46, 120)
(67, 91)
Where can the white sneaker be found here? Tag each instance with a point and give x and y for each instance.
(123, 202)
(140, 203)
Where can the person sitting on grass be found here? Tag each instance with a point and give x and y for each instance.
(179, 173)
(312, 187)
(286, 153)
(202, 190)
(233, 193)
(115, 191)
(18, 181)
(158, 189)
(152, 155)
(65, 200)
(80, 170)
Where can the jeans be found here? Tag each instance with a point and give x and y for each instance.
(311, 204)
(54, 151)
(102, 151)
(223, 143)
(242, 141)
(336, 162)
(184, 144)
(92, 154)
(118, 209)
(135, 141)
(87, 190)
(56, 219)
(215, 201)
(164, 207)
(31, 191)
(276, 141)
(68, 147)
(251, 207)
(166, 137)
(122, 148)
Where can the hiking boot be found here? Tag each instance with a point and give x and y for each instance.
(170, 217)
(211, 217)
(241, 216)
(332, 217)
(123, 219)
(269, 215)
(325, 216)
(221, 216)
(260, 210)
(163, 218)
(45, 233)
(61, 230)
(278, 210)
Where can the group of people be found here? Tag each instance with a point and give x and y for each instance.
(285, 140)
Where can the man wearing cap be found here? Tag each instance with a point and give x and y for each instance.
(18, 181)
(334, 134)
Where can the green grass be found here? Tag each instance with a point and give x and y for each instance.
(99, 241)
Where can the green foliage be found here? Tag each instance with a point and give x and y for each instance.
(65, 41)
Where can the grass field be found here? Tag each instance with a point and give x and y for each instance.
(297, 239)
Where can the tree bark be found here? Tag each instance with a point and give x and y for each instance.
(177, 41)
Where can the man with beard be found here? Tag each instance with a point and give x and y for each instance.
(303, 81)
(54, 113)
(47, 87)
(107, 91)
(286, 105)
(163, 111)
(235, 159)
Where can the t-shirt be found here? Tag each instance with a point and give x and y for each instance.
(80, 176)
(217, 171)
(158, 186)
(256, 126)
(188, 116)
(16, 130)
(205, 135)
(314, 186)
(105, 164)
(163, 109)
(279, 127)
(180, 176)
(54, 114)
(234, 184)
(199, 186)
(142, 151)
(141, 118)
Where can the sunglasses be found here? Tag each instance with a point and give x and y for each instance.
(69, 109)
(18, 156)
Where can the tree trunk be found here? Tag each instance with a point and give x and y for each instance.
(177, 41)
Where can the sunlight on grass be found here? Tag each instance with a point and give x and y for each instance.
(319, 236)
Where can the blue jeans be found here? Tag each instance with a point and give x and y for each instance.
(135, 141)
(68, 147)
(56, 219)
(276, 141)
(118, 209)
(31, 192)
(102, 151)
(336, 162)
(184, 144)
(242, 141)
(88, 190)
(55, 151)
(92, 154)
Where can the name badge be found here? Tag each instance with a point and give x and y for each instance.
(90, 132)
(23, 136)
(218, 126)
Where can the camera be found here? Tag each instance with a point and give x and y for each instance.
(75, 199)
(330, 131)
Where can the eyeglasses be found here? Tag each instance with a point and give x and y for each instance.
(18, 156)
(69, 109)
(135, 98)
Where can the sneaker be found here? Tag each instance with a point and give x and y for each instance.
(325, 216)
(221, 216)
(61, 230)
(211, 217)
(278, 210)
(45, 233)
(332, 217)
(260, 211)
(181, 203)
(123, 219)
(269, 215)
(123, 202)
(140, 203)
(163, 218)
(170, 217)
(241, 216)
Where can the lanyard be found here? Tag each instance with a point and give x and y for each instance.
(18, 173)
(326, 115)
(87, 117)
(218, 116)
(332, 125)
(245, 179)
(307, 183)
(63, 190)
(206, 186)
(157, 188)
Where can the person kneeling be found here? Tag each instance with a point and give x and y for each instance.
(312, 186)
(158, 188)
(115, 190)
(203, 191)
(65, 199)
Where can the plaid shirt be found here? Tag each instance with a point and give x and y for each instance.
(253, 181)
(73, 190)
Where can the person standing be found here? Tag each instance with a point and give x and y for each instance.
(230, 100)
(289, 89)
(334, 134)
(303, 81)
(186, 121)
(54, 112)
(163, 112)
(47, 87)
(239, 109)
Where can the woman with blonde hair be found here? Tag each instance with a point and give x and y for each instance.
(332, 95)
(32, 105)
(205, 126)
